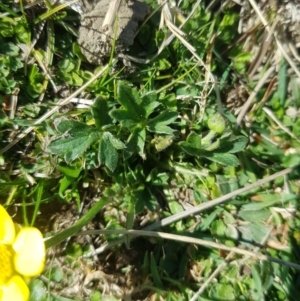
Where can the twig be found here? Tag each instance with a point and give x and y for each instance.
(191, 240)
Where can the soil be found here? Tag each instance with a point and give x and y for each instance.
(91, 33)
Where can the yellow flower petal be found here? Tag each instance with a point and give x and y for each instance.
(7, 228)
(15, 290)
(30, 252)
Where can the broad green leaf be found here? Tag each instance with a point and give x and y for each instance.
(192, 145)
(129, 98)
(225, 159)
(255, 215)
(254, 231)
(222, 291)
(234, 145)
(70, 172)
(56, 274)
(188, 148)
(218, 228)
(175, 207)
(64, 183)
(76, 79)
(194, 140)
(163, 118)
(73, 147)
(82, 136)
(38, 290)
(136, 143)
(149, 103)
(100, 113)
(116, 143)
(66, 65)
(9, 49)
(257, 281)
(72, 127)
(108, 155)
(160, 129)
(126, 118)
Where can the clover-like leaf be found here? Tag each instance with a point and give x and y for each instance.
(81, 136)
(159, 124)
(132, 111)
(135, 109)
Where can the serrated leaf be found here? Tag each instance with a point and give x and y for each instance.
(100, 113)
(234, 145)
(108, 155)
(72, 127)
(161, 129)
(9, 49)
(192, 144)
(130, 100)
(189, 149)
(225, 159)
(126, 118)
(149, 103)
(74, 146)
(163, 119)
(116, 143)
(254, 215)
(194, 140)
(255, 231)
(135, 143)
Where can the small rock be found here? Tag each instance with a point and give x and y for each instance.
(96, 42)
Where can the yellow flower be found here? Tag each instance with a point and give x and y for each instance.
(22, 255)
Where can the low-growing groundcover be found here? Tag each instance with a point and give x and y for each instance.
(170, 172)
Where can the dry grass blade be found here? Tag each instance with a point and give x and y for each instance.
(192, 211)
(192, 240)
(275, 119)
(223, 265)
(110, 17)
(279, 44)
(218, 201)
(176, 32)
(252, 96)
